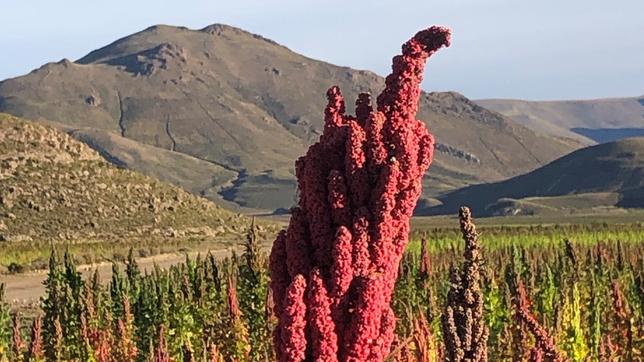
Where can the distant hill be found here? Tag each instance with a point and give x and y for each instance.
(603, 135)
(594, 178)
(600, 120)
(224, 113)
(54, 188)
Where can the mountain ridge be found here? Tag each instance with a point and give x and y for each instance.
(596, 120)
(243, 102)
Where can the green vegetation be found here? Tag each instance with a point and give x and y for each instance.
(496, 237)
(588, 294)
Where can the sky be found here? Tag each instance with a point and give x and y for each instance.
(527, 49)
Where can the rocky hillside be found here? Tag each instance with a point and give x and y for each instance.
(224, 113)
(54, 188)
(596, 178)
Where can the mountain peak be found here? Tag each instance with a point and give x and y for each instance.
(227, 30)
(179, 36)
(163, 27)
(240, 102)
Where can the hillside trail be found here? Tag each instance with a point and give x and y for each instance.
(26, 289)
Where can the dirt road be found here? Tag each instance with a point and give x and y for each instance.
(27, 288)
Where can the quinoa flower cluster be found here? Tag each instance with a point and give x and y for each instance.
(334, 268)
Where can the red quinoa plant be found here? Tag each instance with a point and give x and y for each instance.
(545, 348)
(334, 269)
(17, 343)
(35, 352)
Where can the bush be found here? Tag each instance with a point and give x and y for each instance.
(15, 268)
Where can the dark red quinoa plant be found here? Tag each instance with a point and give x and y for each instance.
(334, 269)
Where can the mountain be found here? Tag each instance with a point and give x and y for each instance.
(54, 188)
(224, 113)
(600, 120)
(603, 135)
(598, 177)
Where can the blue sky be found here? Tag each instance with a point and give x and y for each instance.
(539, 49)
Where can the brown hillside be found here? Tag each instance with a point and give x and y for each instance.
(601, 176)
(55, 189)
(596, 119)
